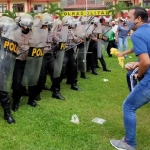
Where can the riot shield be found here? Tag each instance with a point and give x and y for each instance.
(60, 52)
(35, 56)
(99, 43)
(106, 31)
(8, 52)
(81, 56)
(88, 32)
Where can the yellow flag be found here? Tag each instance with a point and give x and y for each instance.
(121, 61)
(114, 51)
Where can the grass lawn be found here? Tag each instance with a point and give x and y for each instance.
(48, 126)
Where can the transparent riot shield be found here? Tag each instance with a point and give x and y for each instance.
(88, 32)
(81, 56)
(35, 56)
(8, 52)
(60, 52)
(99, 43)
(106, 31)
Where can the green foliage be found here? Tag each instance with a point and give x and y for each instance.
(116, 9)
(11, 14)
(128, 8)
(32, 13)
(54, 9)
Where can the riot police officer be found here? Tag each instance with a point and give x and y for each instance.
(48, 62)
(69, 62)
(24, 33)
(7, 60)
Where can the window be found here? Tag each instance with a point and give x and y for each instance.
(107, 4)
(3, 7)
(92, 1)
(70, 2)
(39, 8)
(146, 3)
(18, 7)
(128, 3)
(99, 2)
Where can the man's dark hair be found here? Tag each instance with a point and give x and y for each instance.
(140, 12)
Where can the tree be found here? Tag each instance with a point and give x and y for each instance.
(129, 7)
(32, 13)
(10, 14)
(54, 9)
(116, 9)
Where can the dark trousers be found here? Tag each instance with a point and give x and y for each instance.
(17, 87)
(111, 44)
(48, 67)
(91, 56)
(70, 67)
(4, 99)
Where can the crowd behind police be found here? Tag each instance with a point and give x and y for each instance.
(39, 54)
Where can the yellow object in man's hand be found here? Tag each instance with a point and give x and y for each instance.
(121, 61)
(114, 51)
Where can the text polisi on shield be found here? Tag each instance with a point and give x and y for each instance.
(99, 36)
(10, 46)
(62, 45)
(36, 52)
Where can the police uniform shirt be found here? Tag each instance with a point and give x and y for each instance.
(51, 38)
(72, 39)
(23, 42)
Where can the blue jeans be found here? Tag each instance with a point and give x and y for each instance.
(137, 98)
(122, 41)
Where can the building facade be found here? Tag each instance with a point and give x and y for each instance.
(23, 6)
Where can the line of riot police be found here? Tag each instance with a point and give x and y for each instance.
(31, 48)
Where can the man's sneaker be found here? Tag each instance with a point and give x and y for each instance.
(121, 145)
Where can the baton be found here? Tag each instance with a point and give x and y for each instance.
(27, 50)
(52, 48)
(83, 52)
(107, 31)
(73, 46)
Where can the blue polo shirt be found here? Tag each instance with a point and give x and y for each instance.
(141, 45)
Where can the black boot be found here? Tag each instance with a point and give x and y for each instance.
(75, 87)
(7, 114)
(25, 92)
(38, 97)
(83, 75)
(32, 103)
(97, 66)
(107, 70)
(68, 82)
(45, 87)
(94, 72)
(88, 69)
(56, 94)
(15, 104)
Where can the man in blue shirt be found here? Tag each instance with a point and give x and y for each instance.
(137, 21)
